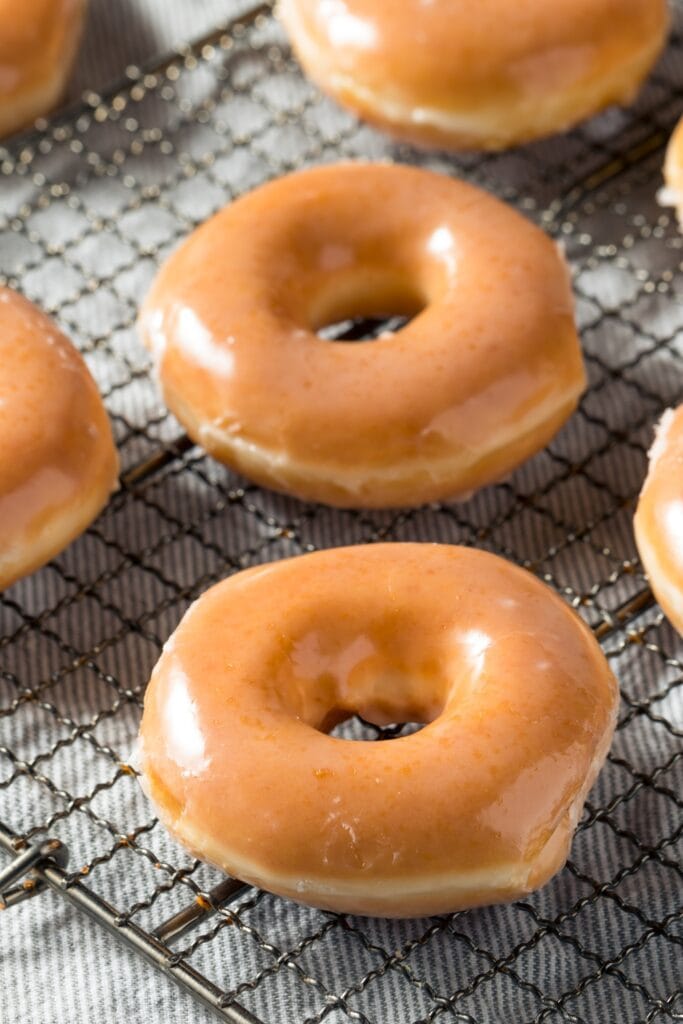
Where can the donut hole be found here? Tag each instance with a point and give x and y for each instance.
(372, 673)
(366, 307)
(358, 729)
(399, 712)
(363, 328)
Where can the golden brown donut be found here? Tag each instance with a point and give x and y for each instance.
(672, 193)
(58, 464)
(659, 517)
(38, 42)
(478, 807)
(481, 379)
(481, 74)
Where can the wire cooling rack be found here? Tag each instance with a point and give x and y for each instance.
(89, 206)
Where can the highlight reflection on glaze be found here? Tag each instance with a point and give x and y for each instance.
(672, 521)
(345, 28)
(199, 346)
(184, 738)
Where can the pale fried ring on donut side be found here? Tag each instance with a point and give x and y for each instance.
(479, 380)
(477, 807)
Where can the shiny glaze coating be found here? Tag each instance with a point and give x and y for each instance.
(58, 464)
(672, 194)
(659, 517)
(38, 41)
(477, 807)
(478, 381)
(484, 75)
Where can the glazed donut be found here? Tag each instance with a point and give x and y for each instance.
(38, 42)
(482, 75)
(477, 807)
(58, 464)
(672, 194)
(481, 379)
(659, 517)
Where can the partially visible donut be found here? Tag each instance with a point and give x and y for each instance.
(672, 193)
(482, 378)
(478, 807)
(482, 74)
(58, 464)
(659, 517)
(38, 42)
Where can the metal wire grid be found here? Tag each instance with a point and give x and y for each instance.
(89, 206)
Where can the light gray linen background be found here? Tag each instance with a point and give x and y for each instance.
(58, 967)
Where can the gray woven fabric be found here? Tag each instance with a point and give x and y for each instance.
(85, 218)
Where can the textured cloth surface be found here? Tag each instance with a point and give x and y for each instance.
(85, 219)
